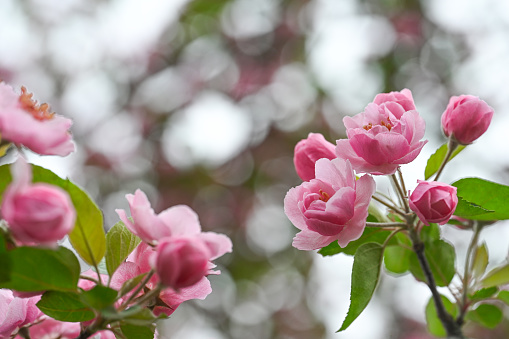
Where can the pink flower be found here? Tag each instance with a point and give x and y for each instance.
(433, 202)
(383, 137)
(24, 122)
(466, 118)
(36, 213)
(334, 206)
(16, 313)
(150, 227)
(50, 328)
(308, 151)
(181, 261)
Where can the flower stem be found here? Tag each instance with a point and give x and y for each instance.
(401, 193)
(392, 207)
(385, 224)
(135, 293)
(452, 328)
(451, 147)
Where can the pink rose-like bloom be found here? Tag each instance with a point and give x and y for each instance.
(16, 312)
(24, 122)
(333, 206)
(308, 151)
(383, 137)
(466, 118)
(50, 328)
(433, 202)
(36, 213)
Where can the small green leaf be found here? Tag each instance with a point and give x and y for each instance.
(144, 317)
(87, 237)
(430, 234)
(441, 257)
(504, 296)
(371, 234)
(480, 261)
(397, 259)
(486, 194)
(486, 314)
(137, 332)
(99, 297)
(65, 306)
(365, 276)
(37, 269)
(435, 326)
(120, 243)
(497, 276)
(5, 174)
(484, 293)
(5, 261)
(436, 159)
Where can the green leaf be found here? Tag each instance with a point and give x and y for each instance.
(467, 209)
(120, 243)
(371, 234)
(365, 275)
(436, 159)
(504, 296)
(484, 293)
(486, 314)
(5, 174)
(480, 261)
(99, 297)
(38, 269)
(137, 332)
(497, 276)
(130, 284)
(87, 237)
(441, 257)
(435, 326)
(397, 259)
(430, 234)
(5, 261)
(65, 306)
(144, 317)
(486, 194)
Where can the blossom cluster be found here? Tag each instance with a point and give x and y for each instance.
(332, 203)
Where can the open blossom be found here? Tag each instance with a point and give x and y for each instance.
(53, 329)
(16, 312)
(333, 206)
(433, 202)
(308, 151)
(37, 213)
(383, 137)
(24, 122)
(466, 118)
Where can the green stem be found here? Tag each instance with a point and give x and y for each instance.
(135, 293)
(391, 206)
(148, 296)
(401, 193)
(385, 224)
(451, 147)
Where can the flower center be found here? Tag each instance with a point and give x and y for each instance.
(39, 112)
(324, 196)
(387, 125)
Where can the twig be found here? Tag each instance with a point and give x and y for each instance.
(451, 147)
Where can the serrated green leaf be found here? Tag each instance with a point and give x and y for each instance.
(486, 194)
(371, 234)
(466, 209)
(436, 159)
(397, 259)
(496, 277)
(365, 276)
(137, 332)
(486, 314)
(504, 296)
(120, 243)
(87, 237)
(480, 261)
(99, 297)
(435, 326)
(37, 269)
(441, 257)
(483, 293)
(65, 306)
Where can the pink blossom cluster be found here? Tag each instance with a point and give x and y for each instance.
(332, 204)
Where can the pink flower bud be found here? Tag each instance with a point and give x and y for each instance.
(181, 261)
(36, 213)
(308, 151)
(433, 202)
(466, 118)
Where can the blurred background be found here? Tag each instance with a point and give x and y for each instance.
(201, 102)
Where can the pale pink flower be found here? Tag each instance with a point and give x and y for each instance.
(383, 137)
(16, 313)
(24, 122)
(333, 206)
(308, 151)
(37, 213)
(433, 202)
(466, 118)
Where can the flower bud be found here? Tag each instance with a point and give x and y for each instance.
(308, 151)
(36, 213)
(433, 202)
(181, 261)
(466, 118)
